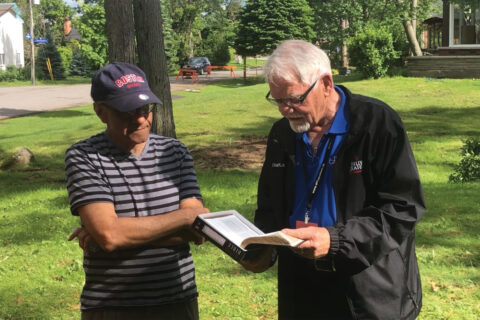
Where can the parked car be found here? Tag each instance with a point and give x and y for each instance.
(200, 64)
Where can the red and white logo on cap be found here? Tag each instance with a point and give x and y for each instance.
(130, 80)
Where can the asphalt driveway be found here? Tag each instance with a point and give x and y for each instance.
(20, 101)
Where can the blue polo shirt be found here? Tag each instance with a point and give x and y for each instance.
(323, 210)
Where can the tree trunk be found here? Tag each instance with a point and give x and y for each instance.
(120, 30)
(344, 44)
(414, 15)
(409, 30)
(244, 67)
(412, 38)
(152, 59)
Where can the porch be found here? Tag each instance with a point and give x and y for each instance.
(444, 66)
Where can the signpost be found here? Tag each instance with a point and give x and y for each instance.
(40, 40)
(30, 37)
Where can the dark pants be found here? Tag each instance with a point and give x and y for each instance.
(307, 294)
(177, 311)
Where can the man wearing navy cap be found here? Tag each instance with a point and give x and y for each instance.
(137, 196)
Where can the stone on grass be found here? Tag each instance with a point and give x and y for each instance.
(19, 160)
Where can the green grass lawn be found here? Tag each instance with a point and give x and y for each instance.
(41, 273)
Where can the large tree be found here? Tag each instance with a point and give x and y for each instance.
(144, 19)
(152, 59)
(187, 23)
(265, 23)
(91, 26)
(120, 30)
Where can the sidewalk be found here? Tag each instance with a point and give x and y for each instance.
(21, 101)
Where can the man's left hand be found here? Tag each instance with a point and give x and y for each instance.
(316, 244)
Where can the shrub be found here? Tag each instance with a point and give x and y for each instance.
(10, 74)
(66, 55)
(78, 65)
(468, 169)
(372, 51)
(50, 51)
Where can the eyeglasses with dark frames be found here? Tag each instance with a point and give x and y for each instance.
(142, 111)
(290, 102)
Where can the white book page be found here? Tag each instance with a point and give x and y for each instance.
(232, 228)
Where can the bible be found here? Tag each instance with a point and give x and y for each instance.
(237, 236)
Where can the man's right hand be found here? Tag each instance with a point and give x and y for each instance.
(85, 240)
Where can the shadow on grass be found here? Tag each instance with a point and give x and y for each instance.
(452, 221)
(25, 305)
(65, 113)
(50, 221)
(240, 82)
(433, 121)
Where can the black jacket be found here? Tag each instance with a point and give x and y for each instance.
(379, 200)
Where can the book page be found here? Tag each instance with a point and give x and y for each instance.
(277, 238)
(232, 228)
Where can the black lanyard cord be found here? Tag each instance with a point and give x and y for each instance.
(319, 175)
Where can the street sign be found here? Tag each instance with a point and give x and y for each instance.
(40, 40)
(28, 36)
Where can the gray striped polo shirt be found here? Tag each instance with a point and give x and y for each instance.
(153, 183)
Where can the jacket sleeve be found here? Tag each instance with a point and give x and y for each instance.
(274, 197)
(392, 203)
(264, 213)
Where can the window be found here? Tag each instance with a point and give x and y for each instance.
(465, 23)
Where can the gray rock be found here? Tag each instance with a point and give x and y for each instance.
(20, 159)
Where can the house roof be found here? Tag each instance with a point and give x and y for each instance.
(10, 7)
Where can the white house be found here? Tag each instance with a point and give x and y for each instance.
(11, 36)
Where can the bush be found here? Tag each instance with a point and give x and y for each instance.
(10, 74)
(372, 52)
(66, 55)
(469, 167)
(78, 65)
(215, 47)
(49, 51)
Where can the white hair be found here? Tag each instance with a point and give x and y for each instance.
(297, 60)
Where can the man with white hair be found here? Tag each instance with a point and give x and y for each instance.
(340, 174)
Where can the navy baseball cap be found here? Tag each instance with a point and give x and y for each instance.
(122, 86)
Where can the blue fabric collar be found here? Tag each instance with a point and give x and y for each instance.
(340, 123)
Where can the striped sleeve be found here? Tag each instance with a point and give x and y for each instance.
(188, 186)
(85, 183)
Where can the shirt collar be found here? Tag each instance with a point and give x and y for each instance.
(340, 122)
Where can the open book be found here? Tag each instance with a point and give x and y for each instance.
(232, 233)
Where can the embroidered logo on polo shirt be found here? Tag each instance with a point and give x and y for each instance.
(332, 160)
(356, 166)
(278, 165)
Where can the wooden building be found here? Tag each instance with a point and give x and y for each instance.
(458, 55)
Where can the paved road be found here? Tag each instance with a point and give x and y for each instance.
(20, 101)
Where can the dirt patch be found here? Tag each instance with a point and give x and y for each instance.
(244, 153)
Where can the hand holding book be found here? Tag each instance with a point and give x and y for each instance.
(232, 233)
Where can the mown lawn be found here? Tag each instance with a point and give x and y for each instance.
(41, 273)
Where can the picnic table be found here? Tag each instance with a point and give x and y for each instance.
(231, 68)
(187, 72)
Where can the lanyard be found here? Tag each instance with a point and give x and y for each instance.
(319, 176)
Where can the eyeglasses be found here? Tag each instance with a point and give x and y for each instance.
(290, 102)
(142, 111)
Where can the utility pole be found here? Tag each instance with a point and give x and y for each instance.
(32, 46)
